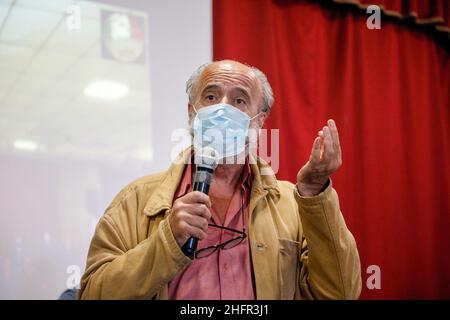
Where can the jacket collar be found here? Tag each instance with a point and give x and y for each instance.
(264, 182)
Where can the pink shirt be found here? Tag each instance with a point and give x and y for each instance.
(225, 274)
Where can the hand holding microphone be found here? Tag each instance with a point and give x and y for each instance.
(190, 216)
(191, 213)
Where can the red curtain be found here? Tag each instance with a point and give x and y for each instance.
(388, 91)
(423, 12)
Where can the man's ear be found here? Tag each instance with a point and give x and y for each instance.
(191, 113)
(262, 118)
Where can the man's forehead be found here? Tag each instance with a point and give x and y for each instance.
(229, 65)
(228, 72)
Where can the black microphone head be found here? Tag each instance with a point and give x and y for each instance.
(206, 157)
(206, 160)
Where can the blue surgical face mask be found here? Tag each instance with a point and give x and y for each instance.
(221, 127)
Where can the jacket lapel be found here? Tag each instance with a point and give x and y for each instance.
(262, 230)
(162, 199)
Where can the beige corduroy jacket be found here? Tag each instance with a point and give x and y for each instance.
(300, 246)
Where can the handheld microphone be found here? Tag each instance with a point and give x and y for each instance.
(206, 160)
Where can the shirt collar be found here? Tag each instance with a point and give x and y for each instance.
(186, 180)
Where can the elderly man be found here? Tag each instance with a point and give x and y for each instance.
(259, 238)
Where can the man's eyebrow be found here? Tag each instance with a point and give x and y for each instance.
(243, 91)
(211, 87)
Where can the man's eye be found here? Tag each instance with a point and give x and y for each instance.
(240, 101)
(210, 97)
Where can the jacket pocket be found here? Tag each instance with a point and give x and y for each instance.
(288, 263)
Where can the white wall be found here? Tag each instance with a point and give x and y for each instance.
(64, 155)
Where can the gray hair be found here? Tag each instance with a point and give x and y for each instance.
(266, 88)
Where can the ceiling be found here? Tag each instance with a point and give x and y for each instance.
(45, 65)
